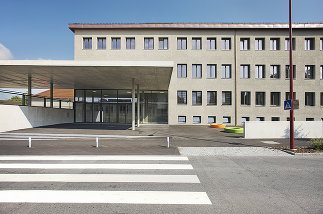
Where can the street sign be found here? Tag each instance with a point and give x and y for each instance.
(296, 104)
(287, 104)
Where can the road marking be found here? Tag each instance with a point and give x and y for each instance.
(93, 157)
(122, 197)
(99, 178)
(94, 166)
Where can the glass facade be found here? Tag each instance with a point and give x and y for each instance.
(115, 106)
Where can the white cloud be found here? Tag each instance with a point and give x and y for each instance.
(5, 53)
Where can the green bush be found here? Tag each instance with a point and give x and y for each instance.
(316, 144)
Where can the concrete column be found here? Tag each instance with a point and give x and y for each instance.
(133, 105)
(29, 90)
(60, 104)
(51, 94)
(23, 103)
(44, 102)
(138, 106)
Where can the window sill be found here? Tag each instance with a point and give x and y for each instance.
(208, 78)
(260, 105)
(226, 104)
(210, 104)
(275, 106)
(196, 104)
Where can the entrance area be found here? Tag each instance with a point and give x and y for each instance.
(114, 106)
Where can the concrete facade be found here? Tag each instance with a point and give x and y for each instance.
(234, 57)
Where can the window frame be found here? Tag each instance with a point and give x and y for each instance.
(208, 119)
(244, 71)
(244, 44)
(196, 97)
(262, 100)
(209, 96)
(209, 43)
(275, 99)
(309, 100)
(311, 69)
(196, 71)
(274, 72)
(161, 40)
(225, 71)
(287, 44)
(87, 43)
(117, 42)
(225, 98)
(149, 43)
(257, 42)
(226, 117)
(196, 43)
(178, 119)
(257, 72)
(274, 44)
(226, 44)
(180, 71)
(182, 97)
(199, 120)
(210, 70)
(181, 44)
(287, 72)
(104, 43)
(309, 44)
(130, 43)
(245, 98)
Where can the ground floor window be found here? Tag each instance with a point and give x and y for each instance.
(182, 119)
(196, 119)
(226, 119)
(211, 119)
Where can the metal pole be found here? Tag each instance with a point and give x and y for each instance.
(51, 94)
(138, 106)
(97, 142)
(29, 90)
(29, 144)
(133, 105)
(167, 142)
(291, 89)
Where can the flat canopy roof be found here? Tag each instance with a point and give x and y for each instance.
(69, 74)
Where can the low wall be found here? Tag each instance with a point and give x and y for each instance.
(280, 129)
(22, 117)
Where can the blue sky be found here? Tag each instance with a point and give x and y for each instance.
(37, 29)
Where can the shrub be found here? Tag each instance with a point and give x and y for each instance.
(316, 144)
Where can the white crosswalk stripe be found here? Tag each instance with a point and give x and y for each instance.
(153, 170)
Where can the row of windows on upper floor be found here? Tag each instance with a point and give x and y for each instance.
(260, 98)
(260, 71)
(211, 44)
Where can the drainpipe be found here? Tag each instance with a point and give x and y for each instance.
(235, 79)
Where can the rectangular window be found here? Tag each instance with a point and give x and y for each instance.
(321, 98)
(309, 72)
(321, 72)
(196, 97)
(211, 43)
(196, 44)
(102, 43)
(196, 71)
(309, 98)
(244, 71)
(244, 44)
(181, 119)
(149, 43)
(211, 71)
(87, 43)
(260, 72)
(116, 43)
(181, 97)
(163, 43)
(288, 97)
(275, 98)
(309, 44)
(287, 45)
(196, 119)
(226, 71)
(181, 43)
(181, 71)
(244, 119)
(130, 43)
(245, 98)
(211, 119)
(260, 98)
(309, 119)
(275, 71)
(287, 72)
(226, 119)
(275, 119)
(274, 44)
(321, 44)
(260, 44)
(260, 119)
(226, 97)
(226, 44)
(211, 97)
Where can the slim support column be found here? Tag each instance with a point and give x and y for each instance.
(29, 89)
(138, 106)
(45, 102)
(133, 105)
(51, 94)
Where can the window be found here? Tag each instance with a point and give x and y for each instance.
(260, 98)
(211, 43)
(196, 119)
(211, 71)
(211, 97)
(309, 98)
(321, 72)
(130, 43)
(244, 44)
(226, 44)
(196, 44)
(310, 119)
(197, 71)
(181, 43)
(245, 98)
(260, 44)
(181, 119)
(226, 119)
(321, 44)
(288, 97)
(226, 97)
(275, 98)
(244, 71)
(149, 43)
(102, 43)
(288, 72)
(260, 72)
(116, 43)
(274, 44)
(244, 119)
(321, 98)
(309, 44)
(211, 119)
(181, 71)
(226, 71)
(181, 97)
(287, 45)
(260, 119)
(288, 119)
(275, 119)
(309, 72)
(274, 71)
(197, 98)
(87, 43)
(163, 43)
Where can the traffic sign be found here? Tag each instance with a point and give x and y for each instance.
(287, 104)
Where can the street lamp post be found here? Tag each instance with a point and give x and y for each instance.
(291, 89)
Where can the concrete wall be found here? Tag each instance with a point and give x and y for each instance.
(280, 129)
(22, 117)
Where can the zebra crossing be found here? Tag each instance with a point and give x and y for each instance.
(144, 179)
